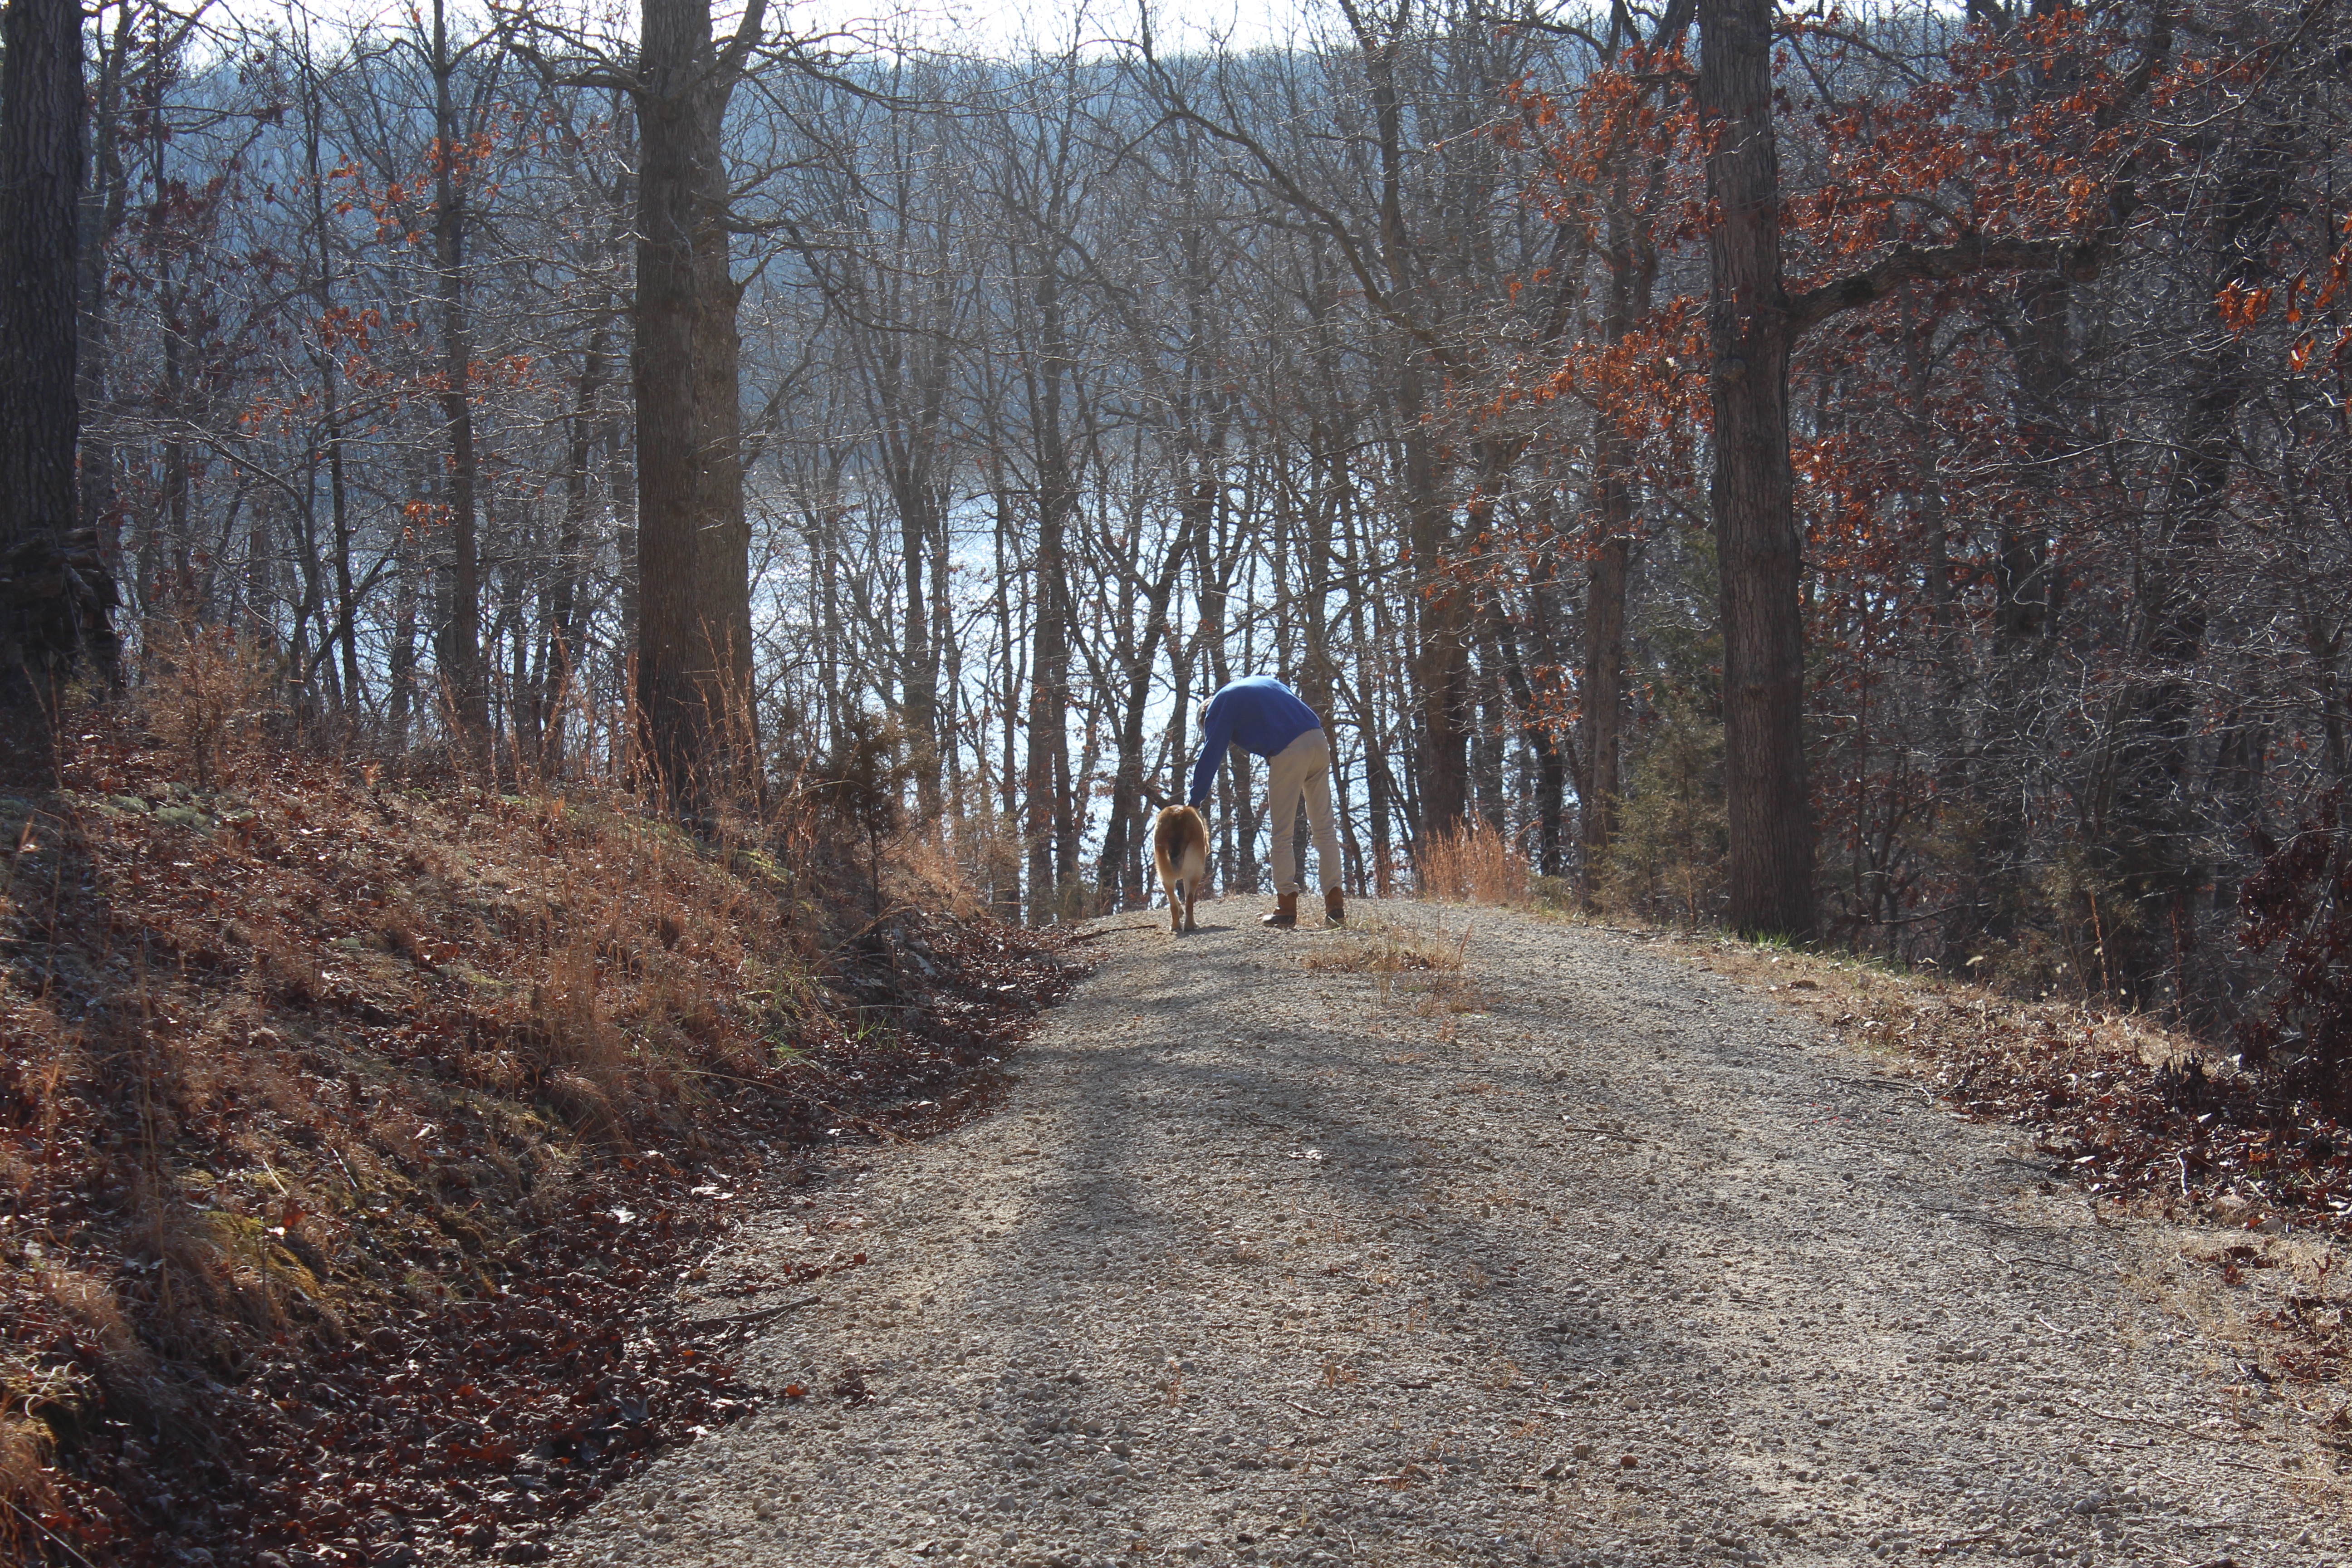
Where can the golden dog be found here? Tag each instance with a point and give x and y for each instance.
(1180, 848)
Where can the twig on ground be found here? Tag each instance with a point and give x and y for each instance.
(753, 1319)
(2262, 1469)
(49, 1534)
(2136, 1420)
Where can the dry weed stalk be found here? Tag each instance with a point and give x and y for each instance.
(1472, 865)
(1430, 967)
(205, 693)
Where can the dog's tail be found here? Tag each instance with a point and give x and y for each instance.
(1178, 831)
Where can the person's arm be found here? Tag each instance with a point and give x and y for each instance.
(1215, 740)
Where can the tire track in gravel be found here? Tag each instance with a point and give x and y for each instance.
(1625, 1266)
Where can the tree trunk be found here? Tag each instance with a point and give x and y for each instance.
(910, 390)
(1123, 872)
(56, 593)
(400, 663)
(1441, 653)
(1753, 490)
(1608, 574)
(457, 640)
(1632, 277)
(105, 203)
(1547, 747)
(694, 544)
(567, 611)
(343, 635)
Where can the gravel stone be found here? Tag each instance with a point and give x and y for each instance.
(1608, 1261)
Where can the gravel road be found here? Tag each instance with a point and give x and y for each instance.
(1602, 1260)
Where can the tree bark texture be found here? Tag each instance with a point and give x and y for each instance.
(105, 203)
(1753, 490)
(694, 596)
(56, 593)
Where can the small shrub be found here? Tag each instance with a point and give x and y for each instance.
(206, 693)
(25, 1485)
(862, 784)
(1667, 860)
(2299, 900)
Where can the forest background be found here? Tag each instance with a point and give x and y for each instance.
(1056, 387)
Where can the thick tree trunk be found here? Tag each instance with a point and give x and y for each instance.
(1048, 761)
(1051, 814)
(56, 593)
(343, 634)
(694, 596)
(105, 203)
(1753, 490)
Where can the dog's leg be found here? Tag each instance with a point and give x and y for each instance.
(1189, 883)
(1175, 891)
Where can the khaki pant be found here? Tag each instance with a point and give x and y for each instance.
(1305, 764)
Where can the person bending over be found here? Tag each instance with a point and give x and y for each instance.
(1261, 715)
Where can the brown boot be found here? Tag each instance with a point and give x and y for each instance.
(1284, 913)
(1335, 906)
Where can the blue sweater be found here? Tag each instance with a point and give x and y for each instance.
(1257, 713)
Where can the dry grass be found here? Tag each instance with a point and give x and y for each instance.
(1473, 865)
(24, 1474)
(1423, 970)
(1921, 1016)
(210, 694)
(290, 1051)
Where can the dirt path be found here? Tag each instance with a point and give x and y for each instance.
(1619, 1264)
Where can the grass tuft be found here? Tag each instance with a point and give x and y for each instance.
(1422, 969)
(1473, 865)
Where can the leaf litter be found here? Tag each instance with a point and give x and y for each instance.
(357, 1138)
(2140, 1120)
